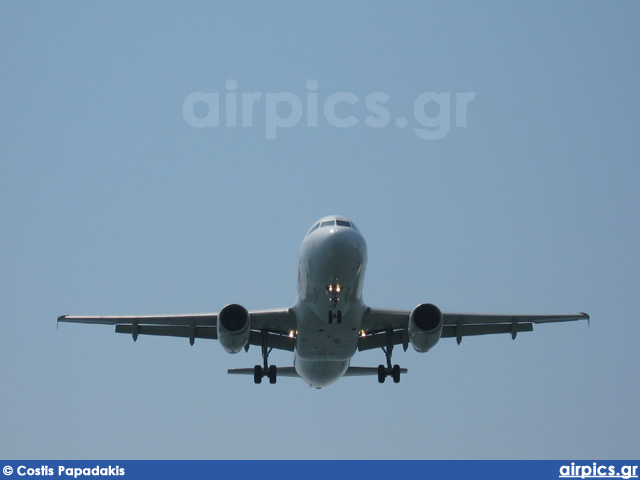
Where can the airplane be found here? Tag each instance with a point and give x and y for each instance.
(329, 322)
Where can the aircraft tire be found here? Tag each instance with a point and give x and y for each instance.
(395, 374)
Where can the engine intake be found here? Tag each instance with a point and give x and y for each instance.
(425, 327)
(233, 328)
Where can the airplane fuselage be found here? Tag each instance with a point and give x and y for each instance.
(329, 309)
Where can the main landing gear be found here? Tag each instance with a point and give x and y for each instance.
(265, 371)
(394, 371)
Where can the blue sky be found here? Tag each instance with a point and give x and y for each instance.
(111, 202)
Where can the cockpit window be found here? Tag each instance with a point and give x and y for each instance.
(314, 228)
(331, 223)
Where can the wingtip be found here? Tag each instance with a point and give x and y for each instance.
(61, 318)
(587, 317)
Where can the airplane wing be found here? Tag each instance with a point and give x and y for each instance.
(270, 326)
(379, 324)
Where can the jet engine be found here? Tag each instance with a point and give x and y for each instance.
(425, 327)
(233, 328)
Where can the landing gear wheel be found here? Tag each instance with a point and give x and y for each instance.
(392, 371)
(265, 370)
(330, 316)
(339, 316)
(395, 374)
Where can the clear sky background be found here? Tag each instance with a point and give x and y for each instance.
(112, 203)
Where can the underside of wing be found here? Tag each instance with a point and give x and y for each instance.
(272, 328)
(188, 326)
(384, 327)
(460, 325)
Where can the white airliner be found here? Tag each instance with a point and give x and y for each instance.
(329, 322)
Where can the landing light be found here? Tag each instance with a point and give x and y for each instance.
(363, 333)
(292, 334)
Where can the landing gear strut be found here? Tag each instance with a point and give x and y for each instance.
(393, 371)
(265, 370)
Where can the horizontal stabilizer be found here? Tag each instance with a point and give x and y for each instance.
(291, 372)
(282, 371)
(364, 371)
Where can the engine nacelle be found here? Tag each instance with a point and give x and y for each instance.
(233, 328)
(425, 327)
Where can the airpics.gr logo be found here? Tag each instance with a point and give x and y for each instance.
(431, 111)
(595, 470)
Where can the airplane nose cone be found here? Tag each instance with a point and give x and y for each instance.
(345, 246)
(332, 256)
